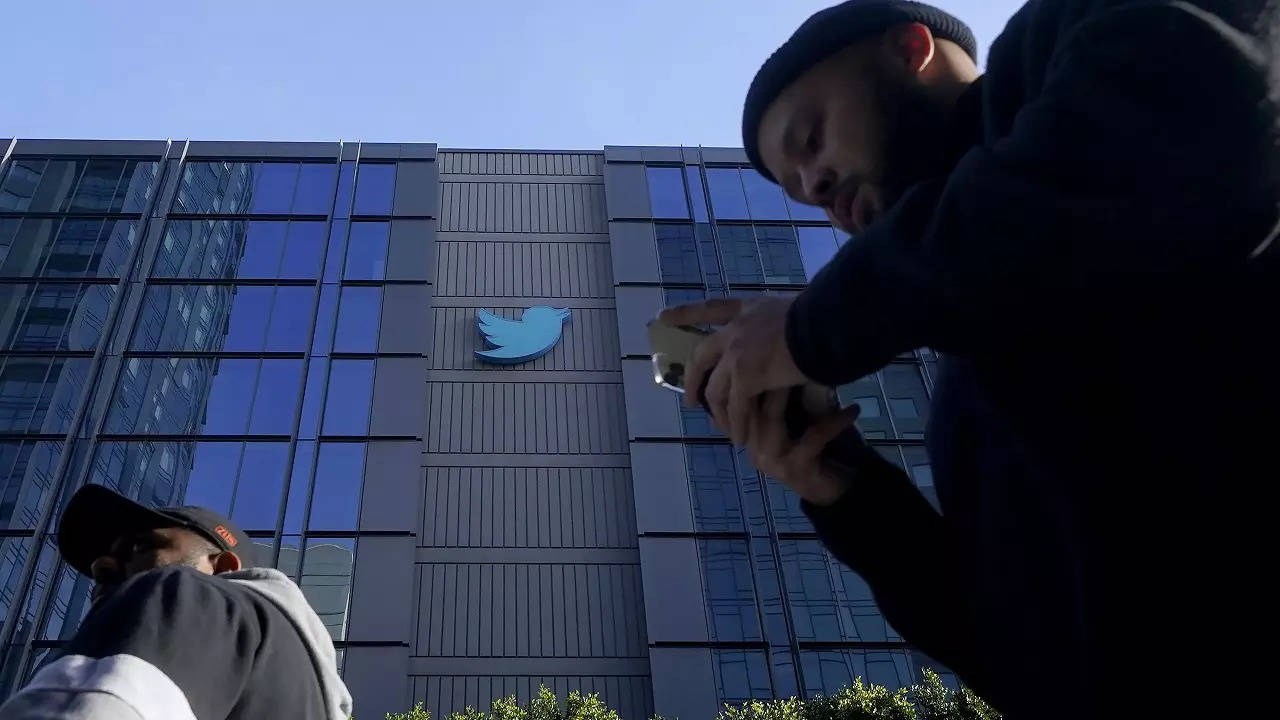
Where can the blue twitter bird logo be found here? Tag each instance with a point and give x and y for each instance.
(517, 341)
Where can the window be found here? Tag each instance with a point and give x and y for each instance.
(26, 472)
(55, 316)
(375, 188)
(276, 397)
(98, 185)
(243, 480)
(81, 248)
(826, 671)
(695, 422)
(769, 592)
(738, 254)
(367, 251)
(752, 493)
(346, 410)
(784, 505)
(872, 418)
(859, 616)
(908, 399)
(666, 193)
(244, 318)
(40, 394)
(302, 249)
(226, 396)
(335, 499)
(315, 189)
(76, 185)
(215, 187)
(713, 482)
(921, 471)
(677, 254)
(804, 211)
(273, 192)
(680, 296)
(727, 199)
(358, 320)
(730, 599)
(807, 580)
(327, 564)
(694, 177)
(764, 198)
(817, 247)
(226, 249)
(741, 675)
(780, 254)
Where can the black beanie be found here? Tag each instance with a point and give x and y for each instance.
(827, 32)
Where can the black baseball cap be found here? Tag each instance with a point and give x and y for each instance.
(97, 516)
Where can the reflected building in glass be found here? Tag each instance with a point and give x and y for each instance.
(285, 332)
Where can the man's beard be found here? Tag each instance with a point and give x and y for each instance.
(915, 136)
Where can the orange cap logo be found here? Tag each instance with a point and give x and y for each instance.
(225, 534)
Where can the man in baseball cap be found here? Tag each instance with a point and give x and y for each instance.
(183, 625)
(1087, 232)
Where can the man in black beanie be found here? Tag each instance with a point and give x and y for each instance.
(1087, 234)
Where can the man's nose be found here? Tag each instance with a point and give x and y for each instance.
(818, 183)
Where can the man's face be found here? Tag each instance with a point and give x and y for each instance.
(139, 552)
(852, 134)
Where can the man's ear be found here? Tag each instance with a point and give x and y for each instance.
(225, 562)
(913, 45)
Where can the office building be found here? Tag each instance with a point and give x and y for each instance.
(287, 332)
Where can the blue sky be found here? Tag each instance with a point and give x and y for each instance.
(466, 73)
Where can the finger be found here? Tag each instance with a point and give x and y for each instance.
(739, 411)
(718, 311)
(718, 386)
(705, 359)
(822, 432)
(773, 417)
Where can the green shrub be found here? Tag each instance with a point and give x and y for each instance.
(929, 700)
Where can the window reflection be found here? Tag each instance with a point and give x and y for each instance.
(55, 316)
(713, 482)
(335, 501)
(273, 193)
(817, 247)
(367, 251)
(666, 193)
(327, 564)
(26, 473)
(75, 185)
(346, 410)
(826, 671)
(359, 314)
(738, 254)
(779, 254)
(727, 199)
(677, 254)
(727, 583)
(206, 396)
(211, 318)
(375, 187)
(741, 675)
(228, 249)
(40, 394)
(764, 199)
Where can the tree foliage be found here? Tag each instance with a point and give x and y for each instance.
(929, 700)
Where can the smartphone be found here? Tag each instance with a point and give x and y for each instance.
(672, 349)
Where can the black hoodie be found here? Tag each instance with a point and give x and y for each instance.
(1099, 272)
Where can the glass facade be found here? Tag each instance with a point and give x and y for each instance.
(228, 362)
(783, 616)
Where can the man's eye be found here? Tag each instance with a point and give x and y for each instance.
(813, 141)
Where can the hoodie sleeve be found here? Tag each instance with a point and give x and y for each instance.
(909, 574)
(168, 645)
(1142, 159)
